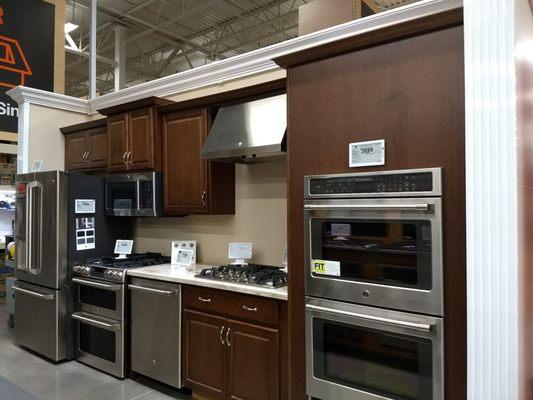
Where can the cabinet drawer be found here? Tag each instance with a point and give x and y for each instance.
(231, 304)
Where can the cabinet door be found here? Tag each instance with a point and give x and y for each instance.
(76, 147)
(97, 141)
(204, 361)
(141, 139)
(184, 171)
(117, 130)
(253, 362)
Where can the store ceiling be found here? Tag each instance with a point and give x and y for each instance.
(168, 36)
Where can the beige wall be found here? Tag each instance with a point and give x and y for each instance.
(45, 140)
(260, 217)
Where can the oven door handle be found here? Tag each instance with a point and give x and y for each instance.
(405, 324)
(370, 207)
(96, 323)
(154, 291)
(97, 285)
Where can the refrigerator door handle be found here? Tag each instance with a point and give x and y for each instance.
(30, 248)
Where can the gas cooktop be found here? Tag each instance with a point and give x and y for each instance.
(114, 269)
(248, 274)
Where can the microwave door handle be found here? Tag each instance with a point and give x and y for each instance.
(404, 324)
(95, 323)
(370, 207)
(96, 285)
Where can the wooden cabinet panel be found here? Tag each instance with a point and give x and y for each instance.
(253, 362)
(76, 148)
(141, 139)
(117, 130)
(204, 348)
(97, 143)
(184, 171)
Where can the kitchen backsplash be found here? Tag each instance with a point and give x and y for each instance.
(260, 217)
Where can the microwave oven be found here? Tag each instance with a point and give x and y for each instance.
(134, 195)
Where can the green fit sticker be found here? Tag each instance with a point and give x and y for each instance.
(326, 267)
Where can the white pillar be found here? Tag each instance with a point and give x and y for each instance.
(491, 200)
(23, 138)
(92, 51)
(120, 57)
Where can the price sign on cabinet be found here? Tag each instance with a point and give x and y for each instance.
(364, 154)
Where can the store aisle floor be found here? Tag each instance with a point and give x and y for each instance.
(70, 380)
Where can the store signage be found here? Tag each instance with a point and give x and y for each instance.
(364, 154)
(26, 52)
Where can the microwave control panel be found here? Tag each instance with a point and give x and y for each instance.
(380, 183)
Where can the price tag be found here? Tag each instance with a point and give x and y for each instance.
(326, 267)
(364, 154)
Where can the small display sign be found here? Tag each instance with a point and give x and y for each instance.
(326, 267)
(183, 252)
(85, 233)
(123, 247)
(84, 206)
(364, 154)
(37, 165)
(240, 251)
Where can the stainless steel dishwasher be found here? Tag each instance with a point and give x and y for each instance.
(156, 330)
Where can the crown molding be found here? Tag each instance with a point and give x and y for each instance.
(241, 66)
(24, 94)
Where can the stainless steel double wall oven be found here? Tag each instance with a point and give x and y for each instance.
(374, 285)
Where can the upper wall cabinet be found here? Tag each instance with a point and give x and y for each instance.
(86, 146)
(134, 136)
(193, 185)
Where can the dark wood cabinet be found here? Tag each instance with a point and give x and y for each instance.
(193, 185)
(134, 136)
(229, 358)
(86, 146)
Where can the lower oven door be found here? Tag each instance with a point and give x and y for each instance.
(366, 353)
(100, 343)
(101, 298)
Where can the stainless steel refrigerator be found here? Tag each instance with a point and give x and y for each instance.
(60, 219)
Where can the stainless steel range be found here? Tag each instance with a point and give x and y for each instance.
(101, 299)
(247, 274)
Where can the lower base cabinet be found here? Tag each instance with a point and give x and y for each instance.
(227, 358)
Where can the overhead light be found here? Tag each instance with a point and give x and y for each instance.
(70, 27)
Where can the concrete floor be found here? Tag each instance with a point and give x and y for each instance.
(70, 380)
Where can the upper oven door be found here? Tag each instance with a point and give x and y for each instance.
(367, 353)
(380, 252)
(100, 298)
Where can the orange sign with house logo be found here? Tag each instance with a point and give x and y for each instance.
(12, 60)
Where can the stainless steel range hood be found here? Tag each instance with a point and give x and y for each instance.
(248, 132)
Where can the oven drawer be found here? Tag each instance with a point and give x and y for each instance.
(367, 353)
(98, 297)
(231, 304)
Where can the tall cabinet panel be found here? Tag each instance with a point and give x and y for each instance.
(117, 130)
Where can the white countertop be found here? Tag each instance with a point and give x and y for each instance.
(173, 273)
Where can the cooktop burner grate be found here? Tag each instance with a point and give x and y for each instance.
(248, 274)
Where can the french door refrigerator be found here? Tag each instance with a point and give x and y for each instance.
(60, 219)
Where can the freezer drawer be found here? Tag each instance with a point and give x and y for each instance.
(156, 330)
(42, 321)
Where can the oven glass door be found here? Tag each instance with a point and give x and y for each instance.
(354, 356)
(100, 342)
(378, 244)
(101, 298)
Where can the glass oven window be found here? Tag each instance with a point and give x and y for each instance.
(98, 297)
(386, 252)
(98, 342)
(373, 361)
(122, 195)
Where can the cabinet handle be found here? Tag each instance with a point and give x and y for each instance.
(227, 337)
(221, 335)
(204, 300)
(128, 160)
(204, 198)
(124, 157)
(87, 156)
(84, 156)
(245, 308)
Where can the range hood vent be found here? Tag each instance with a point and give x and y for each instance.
(248, 132)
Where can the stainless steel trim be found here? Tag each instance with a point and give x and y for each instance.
(34, 294)
(94, 322)
(154, 291)
(204, 300)
(98, 285)
(245, 308)
(227, 337)
(138, 194)
(410, 325)
(221, 335)
(437, 184)
(370, 207)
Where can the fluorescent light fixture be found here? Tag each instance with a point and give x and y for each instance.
(70, 27)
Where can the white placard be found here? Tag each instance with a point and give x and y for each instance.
(85, 233)
(84, 206)
(183, 252)
(37, 165)
(240, 251)
(326, 267)
(364, 154)
(123, 246)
